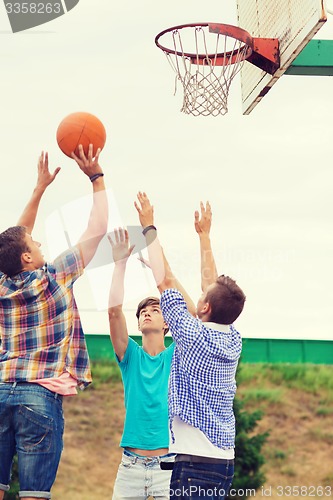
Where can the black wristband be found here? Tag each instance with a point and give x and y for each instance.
(148, 228)
(94, 177)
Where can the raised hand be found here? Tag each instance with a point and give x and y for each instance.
(44, 177)
(121, 249)
(88, 164)
(144, 209)
(203, 222)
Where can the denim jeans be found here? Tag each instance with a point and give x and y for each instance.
(201, 481)
(140, 477)
(31, 425)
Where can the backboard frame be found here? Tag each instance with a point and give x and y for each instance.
(303, 19)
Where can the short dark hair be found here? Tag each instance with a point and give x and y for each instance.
(12, 246)
(148, 301)
(226, 300)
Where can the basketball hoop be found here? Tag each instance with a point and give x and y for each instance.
(206, 74)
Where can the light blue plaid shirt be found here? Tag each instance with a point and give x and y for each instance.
(202, 382)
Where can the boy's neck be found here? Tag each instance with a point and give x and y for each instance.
(153, 343)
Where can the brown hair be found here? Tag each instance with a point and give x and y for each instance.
(148, 301)
(12, 246)
(226, 300)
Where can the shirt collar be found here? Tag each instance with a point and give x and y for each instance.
(217, 326)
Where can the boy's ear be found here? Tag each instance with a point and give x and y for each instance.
(206, 308)
(26, 258)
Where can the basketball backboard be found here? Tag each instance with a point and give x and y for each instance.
(293, 22)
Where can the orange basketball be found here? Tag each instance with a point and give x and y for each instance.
(80, 128)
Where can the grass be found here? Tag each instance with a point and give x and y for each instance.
(288, 471)
(105, 372)
(306, 377)
(268, 395)
(321, 435)
(328, 480)
(297, 402)
(297, 406)
(277, 455)
(324, 410)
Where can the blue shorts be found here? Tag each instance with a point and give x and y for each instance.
(31, 425)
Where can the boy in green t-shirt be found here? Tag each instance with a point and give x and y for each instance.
(145, 372)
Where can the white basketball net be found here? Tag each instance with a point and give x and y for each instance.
(206, 87)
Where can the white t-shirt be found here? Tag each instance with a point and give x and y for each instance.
(190, 440)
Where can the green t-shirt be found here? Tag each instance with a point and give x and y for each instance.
(145, 380)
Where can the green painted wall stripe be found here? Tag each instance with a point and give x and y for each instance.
(316, 59)
(254, 350)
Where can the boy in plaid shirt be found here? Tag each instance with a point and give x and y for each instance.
(202, 382)
(43, 355)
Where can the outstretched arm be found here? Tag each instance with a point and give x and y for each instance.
(44, 178)
(121, 250)
(98, 220)
(163, 274)
(202, 224)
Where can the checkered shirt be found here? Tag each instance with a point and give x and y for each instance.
(40, 329)
(202, 382)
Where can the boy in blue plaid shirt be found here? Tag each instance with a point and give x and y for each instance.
(202, 381)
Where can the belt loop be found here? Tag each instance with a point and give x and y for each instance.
(13, 387)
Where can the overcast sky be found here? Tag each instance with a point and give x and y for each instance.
(268, 175)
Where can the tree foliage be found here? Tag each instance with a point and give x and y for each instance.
(248, 446)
